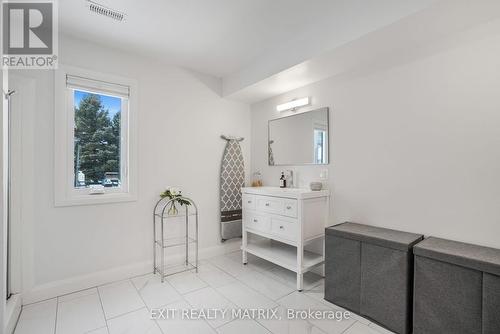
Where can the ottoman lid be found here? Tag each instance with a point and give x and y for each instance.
(375, 235)
(462, 254)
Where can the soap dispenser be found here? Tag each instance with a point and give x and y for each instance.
(282, 180)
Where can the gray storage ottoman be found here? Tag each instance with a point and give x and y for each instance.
(457, 288)
(368, 270)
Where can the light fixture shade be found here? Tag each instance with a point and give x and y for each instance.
(294, 104)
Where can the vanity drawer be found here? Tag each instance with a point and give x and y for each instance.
(286, 229)
(258, 223)
(248, 201)
(290, 208)
(270, 204)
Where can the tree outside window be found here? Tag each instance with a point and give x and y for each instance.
(97, 137)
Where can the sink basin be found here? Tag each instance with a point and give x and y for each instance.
(283, 189)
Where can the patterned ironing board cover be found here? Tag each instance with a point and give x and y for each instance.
(232, 178)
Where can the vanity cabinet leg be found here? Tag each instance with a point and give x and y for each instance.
(300, 281)
(300, 259)
(244, 246)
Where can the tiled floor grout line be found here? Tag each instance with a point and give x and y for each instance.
(19, 317)
(345, 330)
(184, 299)
(316, 285)
(194, 290)
(261, 325)
(180, 294)
(161, 306)
(95, 329)
(275, 301)
(140, 296)
(102, 308)
(47, 299)
(218, 293)
(261, 270)
(230, 321)
(126, 313)
(238, 280)
(251, 288)
(91, 287)
(268, 273)
(57, 310)
(260, 293)
(276, 277)
(146, 305)
(77, 291)
(166, 281)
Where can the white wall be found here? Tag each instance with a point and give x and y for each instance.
(180, 120)
(414, 147)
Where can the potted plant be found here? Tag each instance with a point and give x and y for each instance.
(175, 195)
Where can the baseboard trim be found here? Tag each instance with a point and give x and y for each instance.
(70, 285)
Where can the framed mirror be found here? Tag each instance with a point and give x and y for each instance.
(300, 139)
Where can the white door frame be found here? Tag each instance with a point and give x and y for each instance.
(3, 199)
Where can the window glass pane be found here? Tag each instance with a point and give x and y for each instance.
(97, 139)
(319, 146)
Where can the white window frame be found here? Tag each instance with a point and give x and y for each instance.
(65, 192)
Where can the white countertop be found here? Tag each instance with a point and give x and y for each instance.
(297, 193)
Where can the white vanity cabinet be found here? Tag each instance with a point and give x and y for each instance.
(286, 220)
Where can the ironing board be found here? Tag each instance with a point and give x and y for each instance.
(232, 178)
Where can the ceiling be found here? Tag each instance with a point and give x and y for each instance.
(215, 37)
(448, 24)
(240, 41)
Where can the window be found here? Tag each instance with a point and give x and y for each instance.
(97, 139)
(320, 143)
(93, 128)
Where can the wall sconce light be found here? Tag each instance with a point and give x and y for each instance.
(294, 104)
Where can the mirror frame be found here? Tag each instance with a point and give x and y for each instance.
(327, 109)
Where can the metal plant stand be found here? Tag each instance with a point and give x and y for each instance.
(162, 242)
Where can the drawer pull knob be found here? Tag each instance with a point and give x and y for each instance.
(288, 207)
(249, 202)
(255, 220)
(281, 227)
(267, 204)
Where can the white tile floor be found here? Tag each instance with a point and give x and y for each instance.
(222, 283)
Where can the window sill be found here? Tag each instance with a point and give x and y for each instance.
(97, 199)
